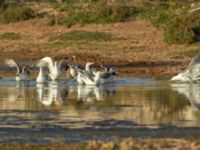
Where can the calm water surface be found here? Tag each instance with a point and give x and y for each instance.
(40, 113)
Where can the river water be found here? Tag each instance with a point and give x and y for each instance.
(126, 107)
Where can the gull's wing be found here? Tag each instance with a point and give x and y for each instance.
(87, 77)
(194, 61)
(46, 61)
(193, 72)
(85, 74)
(193, 69)
(63, 64)
(13, 63)
(105, 67)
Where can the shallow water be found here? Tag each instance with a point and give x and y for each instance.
(40, 113)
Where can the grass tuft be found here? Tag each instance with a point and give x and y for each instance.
(191, 53)
(82, 36)
(16, 13)
(10, 36)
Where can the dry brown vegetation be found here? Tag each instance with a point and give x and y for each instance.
(127, 144)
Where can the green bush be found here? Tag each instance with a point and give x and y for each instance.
(16, 13)
(180, 25)
(183, 29)
(160, 12)
(10, 36)
(99, 12)
(1, 3)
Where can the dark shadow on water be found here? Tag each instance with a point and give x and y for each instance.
(104, 130)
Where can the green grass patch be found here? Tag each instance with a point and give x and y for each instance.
(159, 17)
(93, 46)
(188, 53)
(10, 36)
(46, 45)
(161, 12)
(81, 45)
(82, 36)
(16, 13)
(191, 53)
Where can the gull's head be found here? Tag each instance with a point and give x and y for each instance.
(180, 77)
(177, 77)
(90, 63)
(112, 70)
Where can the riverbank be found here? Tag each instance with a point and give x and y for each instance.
(135, 46)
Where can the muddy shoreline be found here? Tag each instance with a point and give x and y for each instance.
(155, 69)
(46, 135)
(135, 138)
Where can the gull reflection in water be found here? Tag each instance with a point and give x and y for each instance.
(88, 93)
(18, 91)
(191, 91)
(91, 93)
(52, 93)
